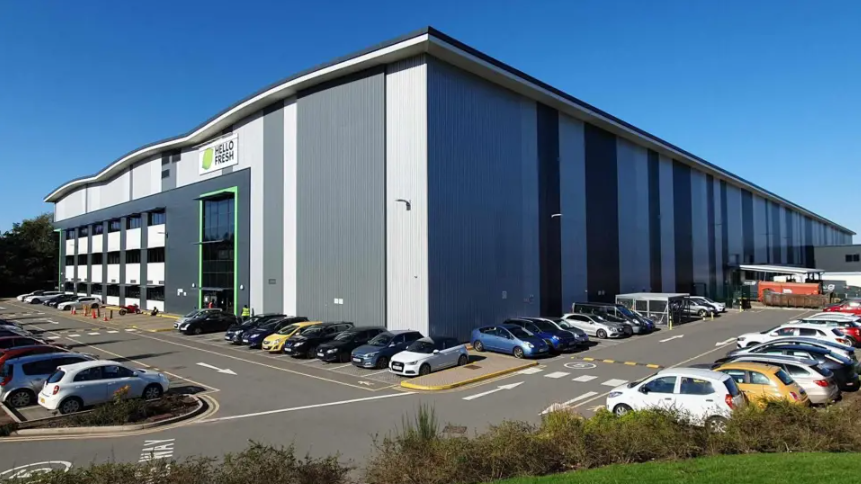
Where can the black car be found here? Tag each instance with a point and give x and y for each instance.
(842, 367)
(339, 349)
(254, 337)
(209, 323)
(304, 344)
(234, 332)
(63, 298)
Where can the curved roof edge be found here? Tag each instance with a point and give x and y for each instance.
(423, 40)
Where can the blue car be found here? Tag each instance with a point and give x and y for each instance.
(509, 339)
(378, 351)
(560, 339)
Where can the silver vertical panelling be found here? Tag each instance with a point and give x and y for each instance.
(761, 231)
(633, 195)
(733, 219)
(700, 227)
(572, 198)
(718, 238)
(668, 233)
(290, 207)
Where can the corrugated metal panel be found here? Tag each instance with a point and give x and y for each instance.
(760, 230)
(668, 232)
(718, 237)
(476, 202)
(699, 227)
(735, 238)
(783, 238)
(142, 177)
(341, 201)
(633, 195)
(572, 194)
(290, 207)
(406, 179)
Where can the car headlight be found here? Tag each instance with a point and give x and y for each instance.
(741, 338)
(410, 363)
(371, 355)
(298, 343)
(614, 394)
(554, 337)
(614, 330)
(530, 345)
(184, 326)
(331, 351)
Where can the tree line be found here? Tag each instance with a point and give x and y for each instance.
(28, 256)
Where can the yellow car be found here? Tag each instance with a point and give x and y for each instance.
(274, 343)
(761, 383)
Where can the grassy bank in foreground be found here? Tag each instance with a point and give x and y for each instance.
(735, 469)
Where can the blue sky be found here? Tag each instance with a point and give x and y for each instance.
(768, 90)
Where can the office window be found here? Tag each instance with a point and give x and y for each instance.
(856, 257)
(83, 231)
(98, 228)
(114, 225)
(218, 257)
(96, 258)
(68, 286)
(133, 222)
(81, 288)
(848, 257)
(70, 260)
(133, 256)
(70, 233)
(113, 257)
(155, 254)
(133, 291)
(113, 290)
(157, 218)
(82, 259)
(155, 293)
(96, 289)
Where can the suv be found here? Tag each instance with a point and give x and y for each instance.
(718, 307)
(693, 307)
(852, 306)
(24, 376)
(639, 324)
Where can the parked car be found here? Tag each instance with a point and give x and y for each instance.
(255, 337)
(703, 396)
(194, 315)
(792, 330)
(761, 383)
(209, 323)
(34, 293)
(852, 305)
(73, 387)
(595, 325)
(13, 331)
(14, 341)
(838, 349)
(816, 380)
(342, 345)
(559, 339)
(616, 313)
(40, 298)
(509, 339)
(379, 350)
(427, 355)
(845, 369)
(692, 307)
(850, 329)
(61, 298)
(234, 332)
(718, 307)
(274, 343)
(78, 303)
(304, 344)
(24, 376)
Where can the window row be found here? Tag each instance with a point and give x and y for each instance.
(853, 257)
(132, 257)
(115, 225)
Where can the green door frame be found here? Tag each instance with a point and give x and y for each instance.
(235, 191)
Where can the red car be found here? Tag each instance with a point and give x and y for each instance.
(27, 350)
(852, 306)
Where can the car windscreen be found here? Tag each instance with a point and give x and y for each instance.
(421, 347)
(770, 330)
(287, 329)
(545, 326)
(784, 378)
(612, 319)
(564, 324)
(381, 339)
(519, 332)
(312, 331)
(627, 312)
(346, 335)
(56, 376)
(836, 332)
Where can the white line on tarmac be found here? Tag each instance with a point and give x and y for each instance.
(581, 397)
(376, 372)
(73, 336)
(307, 407)
(342, 366)
(96, 333)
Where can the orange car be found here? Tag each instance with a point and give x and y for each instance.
(761, 383)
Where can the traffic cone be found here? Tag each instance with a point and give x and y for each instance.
(106, 317)
(94, 314)
(73, 311)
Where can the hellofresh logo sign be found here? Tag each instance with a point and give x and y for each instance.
(219, 154)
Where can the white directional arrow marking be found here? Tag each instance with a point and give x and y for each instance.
(672, 338)
(499, 388)
(721, 343)
(220, 370)
(365, 383)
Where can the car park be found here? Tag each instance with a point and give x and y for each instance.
(616, 313)
(427, 355)
(702, 396)
(793, 330)
(208, 323)
(843, 368)
(234, 332)
(40, 298)
(718, 307)
(193, 315)
(693, 307)
(380, 349)
(255, 337)
(73, 387)
(559, 339)
(304, 344)
(595, 325)
(818, 381)
(509, 339)
(56, 300)
(24, 376)
(274, 343)
(339, 349)
(761, 383)
(843, 350)
(79, 303)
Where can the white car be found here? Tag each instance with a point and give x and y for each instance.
(704, 301)
(94, 303)
(835, 316)
(425, 355)
(703, 396)
(40, 298)
(805, 330)
(34, 293)
(72, 387)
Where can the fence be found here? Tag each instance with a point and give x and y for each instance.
(794, 300)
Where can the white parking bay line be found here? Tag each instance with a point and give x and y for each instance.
(584, 378)
(530, 371)
(377, 372)
(113, 332)
(556, 374)
(73, 335)
(342, 366)
(581, 397)
(131, 330)
(307, 407)
(614, 383)
(94, 334)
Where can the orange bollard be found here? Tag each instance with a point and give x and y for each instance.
(106, 317)
(94, 314)
(73, 311)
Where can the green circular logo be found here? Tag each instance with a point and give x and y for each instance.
(207, 159)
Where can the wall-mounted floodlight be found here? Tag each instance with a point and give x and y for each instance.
(556, 215)
(405, 202)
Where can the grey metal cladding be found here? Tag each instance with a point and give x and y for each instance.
(341, 200)
(273, 209)
(477, 197)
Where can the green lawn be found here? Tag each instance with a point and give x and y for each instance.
(740, 469)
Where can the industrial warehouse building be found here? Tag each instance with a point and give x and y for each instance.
(418, 184)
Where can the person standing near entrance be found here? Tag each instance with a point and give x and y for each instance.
(246, 313)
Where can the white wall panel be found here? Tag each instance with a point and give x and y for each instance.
(113, 300)
(69, 273)
(97, 273)
(94, 197)
(72, 205)
(132, 300)
(143, 184)
(70, 247)
(251, 154)
(116, 191)
(700, 227)
(572, 202)
(113, 274)
(633, 195)
(150, 305)
(155, 236)
(250, 138)
(83, 273)
(155, 273)
(98, 241)
(82, 245)
(406, 178)
(133, 239)
(113, 241)
(133, 274)
(668, 241)
(290, 141)
(188, 171)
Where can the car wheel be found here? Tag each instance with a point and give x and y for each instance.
(198, 330)
(601, 334)
(382, 362)
(462, 360)
(716, 424)
(701, 313)
(21, 398)
(151, 392)
(621, 409)
(123, 312)
(70, 405)
(478, 346)
(518, 352)
(424, 370)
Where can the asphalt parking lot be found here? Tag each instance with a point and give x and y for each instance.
(336, 408)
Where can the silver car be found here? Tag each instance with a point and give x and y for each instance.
(597, 326)
(817, 381)
(23, 377)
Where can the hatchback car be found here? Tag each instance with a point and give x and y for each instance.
(28, 350)
(378, 351)
(274, 343)
(817, 380)
(843, 369)
(595, 325)
(852, 306)
(851, 329)
(509, 339)
(40, 298)
(427, 355)
(842, 350)
(23, 377)
(55, 301)
(209, 323)
(194, 315)
(702, 396)
(255, 337)
(234, 332)
(304, 344)
(554, 335)
(72, 387)
(792, 330)
(341, 346)
(694, 307)
(15, 341)
(616, 313)
(718, 307)
(760, 382)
